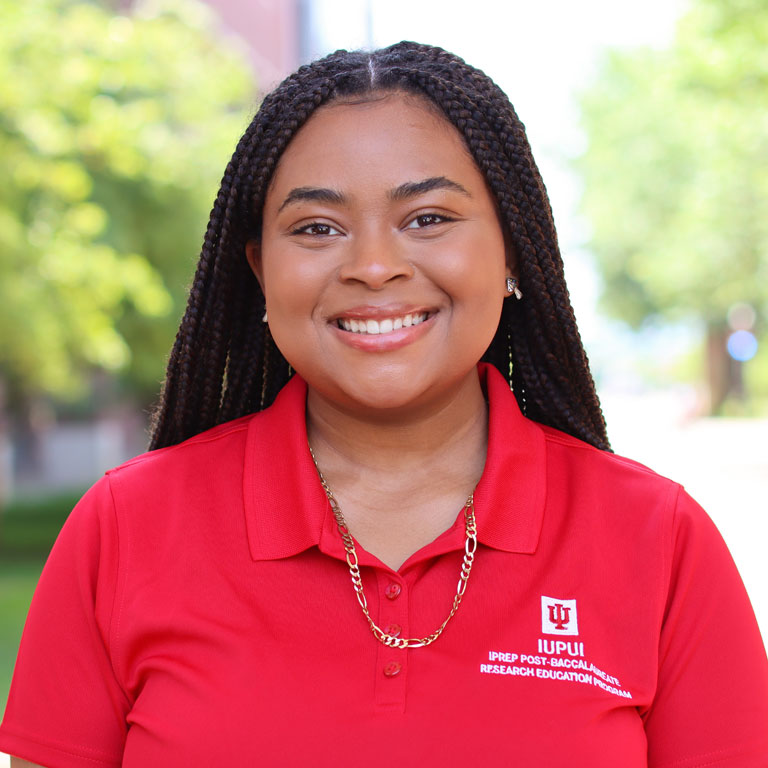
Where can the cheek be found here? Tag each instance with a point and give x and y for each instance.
(290, 284)
(475, 273)
(477, 289)
(290, 300)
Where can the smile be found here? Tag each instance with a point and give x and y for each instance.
(378, 327)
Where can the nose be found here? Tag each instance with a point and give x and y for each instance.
(375, 258)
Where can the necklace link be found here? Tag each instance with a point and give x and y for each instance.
(470, 547)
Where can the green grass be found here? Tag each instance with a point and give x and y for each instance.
(28, 529)
(18, 578)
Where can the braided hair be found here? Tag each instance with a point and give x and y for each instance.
(224, 363)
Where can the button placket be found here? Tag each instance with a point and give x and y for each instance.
(393, 629)
(391, 663)
(392, 591)
(392, 668)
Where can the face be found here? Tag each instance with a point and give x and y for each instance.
(381, 258)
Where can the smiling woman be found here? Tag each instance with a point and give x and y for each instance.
(407, 234)
(378, 392)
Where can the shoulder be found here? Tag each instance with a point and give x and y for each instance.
(568, 454)
(202, 448)
(226, 445)
(617, 501)
(160, 489)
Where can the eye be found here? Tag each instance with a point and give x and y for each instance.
(316, 229)
(427, 220)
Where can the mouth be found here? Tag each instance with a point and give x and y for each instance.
(381, 326)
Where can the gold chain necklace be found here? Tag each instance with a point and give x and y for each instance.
(470, 546)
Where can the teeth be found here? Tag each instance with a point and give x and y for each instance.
(381, 326)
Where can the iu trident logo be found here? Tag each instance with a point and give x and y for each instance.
(558, 617)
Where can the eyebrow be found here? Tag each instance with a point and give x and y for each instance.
(406, 191)
(313, 195)
(413, 189)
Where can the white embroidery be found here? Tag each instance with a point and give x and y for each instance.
(558, 617)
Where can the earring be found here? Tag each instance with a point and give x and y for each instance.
(265, 319)
(512, 288)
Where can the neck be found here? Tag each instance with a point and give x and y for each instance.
(446, 438)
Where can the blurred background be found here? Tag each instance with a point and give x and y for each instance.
(117, 117)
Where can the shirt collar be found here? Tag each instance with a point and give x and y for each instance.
(287, 511)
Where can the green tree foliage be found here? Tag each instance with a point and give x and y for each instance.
(676, 174)
(114, 132)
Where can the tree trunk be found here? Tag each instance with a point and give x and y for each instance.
(5, 450)
(723, 374)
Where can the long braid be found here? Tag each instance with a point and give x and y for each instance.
(224, 363)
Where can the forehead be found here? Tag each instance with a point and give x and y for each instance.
(385, 138)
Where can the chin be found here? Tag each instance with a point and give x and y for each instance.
(386, 399)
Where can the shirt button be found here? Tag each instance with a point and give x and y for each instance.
(392, 591)
(392, 668)
(393, 629)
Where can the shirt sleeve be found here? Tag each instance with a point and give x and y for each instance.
(66, 708)
(711, 702)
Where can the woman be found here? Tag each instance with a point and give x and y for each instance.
(276, 585)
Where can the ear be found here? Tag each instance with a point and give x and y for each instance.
(511, 255)
(511, 269)
(253, 254)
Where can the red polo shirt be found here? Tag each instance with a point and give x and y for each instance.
(197, 610)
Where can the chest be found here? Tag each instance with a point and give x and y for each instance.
(285, 671)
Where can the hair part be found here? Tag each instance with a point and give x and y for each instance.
(224, 363)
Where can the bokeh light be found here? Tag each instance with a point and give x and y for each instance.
(742, 346)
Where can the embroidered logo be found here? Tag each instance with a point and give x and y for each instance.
(558, 617)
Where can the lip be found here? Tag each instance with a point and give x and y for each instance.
(382, 312)
(386, 342)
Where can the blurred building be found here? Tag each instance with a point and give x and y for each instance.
(273, 30)
(282, 34)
